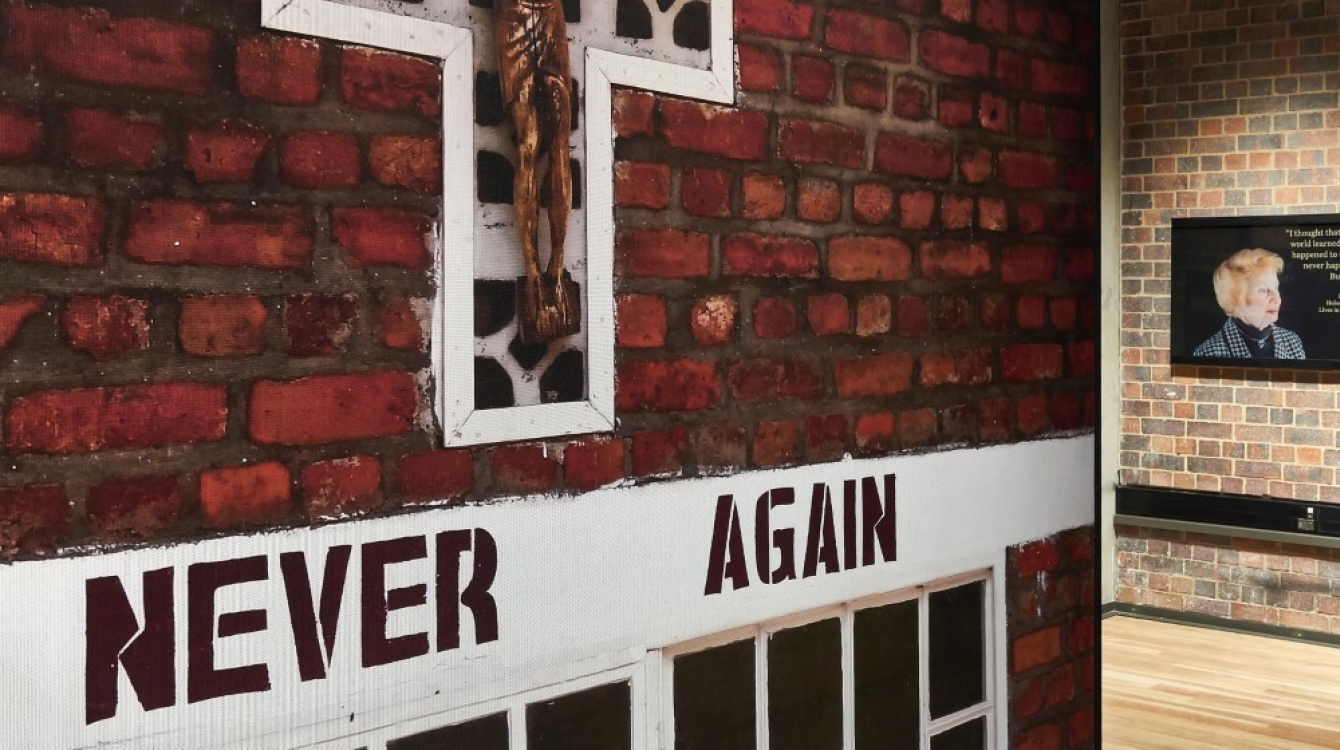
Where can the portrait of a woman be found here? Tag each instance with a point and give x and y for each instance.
(1247, 288)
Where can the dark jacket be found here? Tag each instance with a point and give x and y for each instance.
(1228, 342)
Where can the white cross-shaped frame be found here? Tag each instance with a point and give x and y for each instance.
(442, 30)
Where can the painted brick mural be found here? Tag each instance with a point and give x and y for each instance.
(214, 288)
(1228, 109)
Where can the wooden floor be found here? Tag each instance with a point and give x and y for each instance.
(1181, 687)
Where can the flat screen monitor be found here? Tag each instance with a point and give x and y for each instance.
(1256, 291)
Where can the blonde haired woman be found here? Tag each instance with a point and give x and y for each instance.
(1247, 287)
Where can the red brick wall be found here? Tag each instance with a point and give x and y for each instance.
(212, 271)
(1228, 109)
(1052, 623)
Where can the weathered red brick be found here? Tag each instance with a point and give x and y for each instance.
(953, 55)
(712, 319)
(1051, 77)
(956, 212)
(93, 46)
(957, 10)
(436, 475)
(1023, 362)
(663, 253)
(522, 469)
(869, 259)
(812, 79)
(913, 317)
(329, 408)
(1030, 216)
(399, 325)
(818, 200)
(769, 379)
(874, 314)
(963, 367)
(175, 232)
(1011, 68)
(711, 129)
(867, 35)
(917, 427)
(1037, 557)
(1042, 737)
(341, 486)
(20, 133)
(1022, 170)
(866, 87)
(871, 203)
(1021, 264)
(954, 259)
(994, 423)
(245, 495)
(593, 463)
(706, 192)
(875, 433)
(1063, 312)
(105, 327)
(62, 230)
(1080, 356)
(993, 112)
(992, 214)
(33, 518)
(389, 82)
(639, 184)
(760, 68)
(319, 324)
(783, 19)
(641, 320)
(659, 452)
(1066, 410)
(956, 106)
(14, 312)
(1032, 119)
(672, 385)
(383, 236)
(1031, 311)
(721, 445)
(828, 314)
(977, 165)
(222, 325)
(116, 417)
(406, 161)
(1035, 649)
(101, 138)
(915, 157)
(320, 159)
(916, 209)
(814, 142)
(874, 375)
(224, 150)
(953, 313)
(1067, 124)
(764, 196)
(994, 15)
(750, 254)
(775, 442)
(134, 507)
(279, 69)
(911, 98)
(775, 318)
(634, 113)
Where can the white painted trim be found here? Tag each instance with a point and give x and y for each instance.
(1108, 267)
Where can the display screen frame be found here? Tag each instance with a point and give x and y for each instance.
(1309, 285)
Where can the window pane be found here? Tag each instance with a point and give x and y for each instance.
(957, 671)
(805, 687)
(886, 677)
(714, 698)
(488, 733)
(601, 717)
(969, 736)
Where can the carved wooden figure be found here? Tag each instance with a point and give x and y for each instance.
(532, 42)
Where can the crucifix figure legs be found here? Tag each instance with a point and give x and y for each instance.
(532, 43)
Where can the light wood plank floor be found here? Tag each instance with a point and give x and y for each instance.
(1180, 687)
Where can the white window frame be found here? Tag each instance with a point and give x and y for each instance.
(452, 338)
(987, 709)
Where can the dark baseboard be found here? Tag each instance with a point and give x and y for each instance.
(1295, 517)
(1208, 621)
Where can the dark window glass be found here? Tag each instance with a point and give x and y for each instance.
(488, 733)
(714, 698)
(601, 717)
(887, 674)
(957, 671)
(969, 736)
(805, 687)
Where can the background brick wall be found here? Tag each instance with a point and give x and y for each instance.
(1229, 108)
